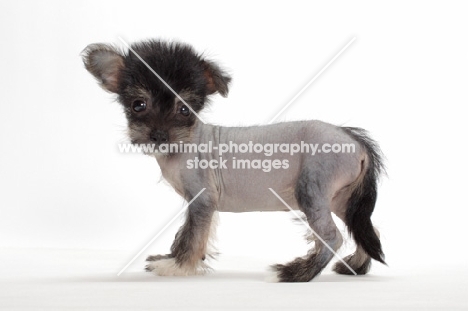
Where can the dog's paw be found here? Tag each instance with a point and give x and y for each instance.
(152, 258)
(272, 276)
(169, 267)
(292, 272)
(157, 257)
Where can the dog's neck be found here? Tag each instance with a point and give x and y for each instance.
(172, 164)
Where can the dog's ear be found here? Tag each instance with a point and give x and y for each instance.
(105, 63)
(217, 79)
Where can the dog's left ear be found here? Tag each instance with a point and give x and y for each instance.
(217, 79)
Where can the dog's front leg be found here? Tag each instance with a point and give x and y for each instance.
(189, 248)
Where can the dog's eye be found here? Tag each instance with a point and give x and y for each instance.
(139, 105)
(184, 110)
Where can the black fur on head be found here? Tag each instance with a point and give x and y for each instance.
(155, 115)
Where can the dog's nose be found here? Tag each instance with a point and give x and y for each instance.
(159, 136)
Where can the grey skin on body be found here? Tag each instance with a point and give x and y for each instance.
(344, 183)
(246, 189)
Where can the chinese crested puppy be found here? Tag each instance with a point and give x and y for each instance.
(162, 96)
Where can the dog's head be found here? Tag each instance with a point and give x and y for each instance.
(155, 114)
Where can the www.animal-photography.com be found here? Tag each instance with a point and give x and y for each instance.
(270, 155)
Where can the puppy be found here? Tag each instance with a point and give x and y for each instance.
(163, 86)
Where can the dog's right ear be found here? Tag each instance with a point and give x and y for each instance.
(105, 63)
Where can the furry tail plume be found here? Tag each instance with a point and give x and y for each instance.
(363, 198)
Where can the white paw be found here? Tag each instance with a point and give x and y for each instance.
(272, 276)
(169, 267)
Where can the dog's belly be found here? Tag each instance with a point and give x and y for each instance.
(248, 190)
(266, 202)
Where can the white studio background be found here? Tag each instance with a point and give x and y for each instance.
(64, 184)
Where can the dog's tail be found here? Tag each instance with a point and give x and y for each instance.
(363, 197)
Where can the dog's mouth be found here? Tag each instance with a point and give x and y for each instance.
(154, 143)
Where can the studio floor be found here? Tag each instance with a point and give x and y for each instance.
(57, 279)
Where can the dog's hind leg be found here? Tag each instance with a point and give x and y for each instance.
(355, 209)
(359, 261)
(356, 205)
(315, 205)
